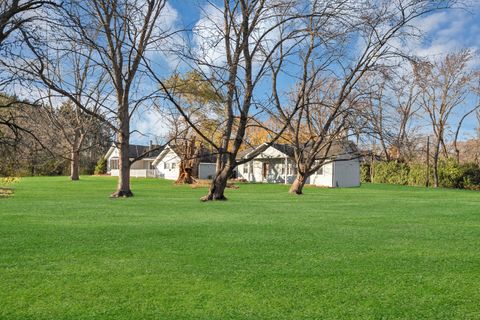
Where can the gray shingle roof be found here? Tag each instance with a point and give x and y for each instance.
(136, 150)
(337, 148)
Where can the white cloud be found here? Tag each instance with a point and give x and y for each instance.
(445, 32)
(149, 125)
(207, 36)
(163, 52)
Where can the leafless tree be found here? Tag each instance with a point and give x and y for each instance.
(17, 14)
(390, 109)
(406, 106)
(330, 99)
(69, 90)
(444, 85)
(234, 45)
(377, 112)
(110, 40)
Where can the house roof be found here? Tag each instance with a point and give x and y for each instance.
(205, 155)
(136, 150)
(336, 149)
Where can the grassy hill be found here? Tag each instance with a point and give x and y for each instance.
(67, 251)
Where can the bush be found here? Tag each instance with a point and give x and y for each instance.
(471, 176)
(417, 175)
(88, 168)
(101, 167)
(451, 174)
(365, 173)
(393, 172)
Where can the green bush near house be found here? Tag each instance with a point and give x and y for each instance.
(451, 174)
(471, 176)
(101, 167)
(392, 172)
(365, 173)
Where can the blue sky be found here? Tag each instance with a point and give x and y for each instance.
(444, 32)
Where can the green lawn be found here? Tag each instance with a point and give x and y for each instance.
(67, 251)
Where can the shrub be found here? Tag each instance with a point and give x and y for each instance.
(417, 175)
(365, 173)
(471, 176)
(393, 172)
(450, 174)
(88, 167)
(101, 167)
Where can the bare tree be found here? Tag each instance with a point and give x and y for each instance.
(406, 106)
(235, 43)
(126, 31)
(72, 126)
(475, 106)
(71, 91)
(444, 86)
(377, 111)
(15, 15)
(110, 40)
(390, 108)
(330, 99)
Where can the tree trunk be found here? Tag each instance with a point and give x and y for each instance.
(385, 149)
(189, 163)
(218, 185)
(436, 154)
(123, 186)
(185, 176)
(298, 184)
(74, 164)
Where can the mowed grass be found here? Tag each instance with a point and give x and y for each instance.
(67, 251)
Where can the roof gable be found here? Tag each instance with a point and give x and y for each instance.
(137, 151)
(204, 155)
(278, 150)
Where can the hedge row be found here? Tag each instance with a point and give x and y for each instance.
(451, 174)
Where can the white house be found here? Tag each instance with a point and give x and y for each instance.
(276, 164)
(161, 163)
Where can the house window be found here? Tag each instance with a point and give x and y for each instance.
(173, 165)
(282, 169)
(165, 165)
(245, 168)
(114, 164)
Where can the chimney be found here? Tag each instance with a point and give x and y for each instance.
(151, 144)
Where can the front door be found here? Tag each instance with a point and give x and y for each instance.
(265, 169)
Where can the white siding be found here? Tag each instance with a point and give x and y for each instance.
(325, 179)
(346, 173)
(275, 171)
(164, 167)
(139, 169)
(137, 165)
(114, 155)
(337, 174)
(206, 170)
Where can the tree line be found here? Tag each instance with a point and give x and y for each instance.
(308, 73)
